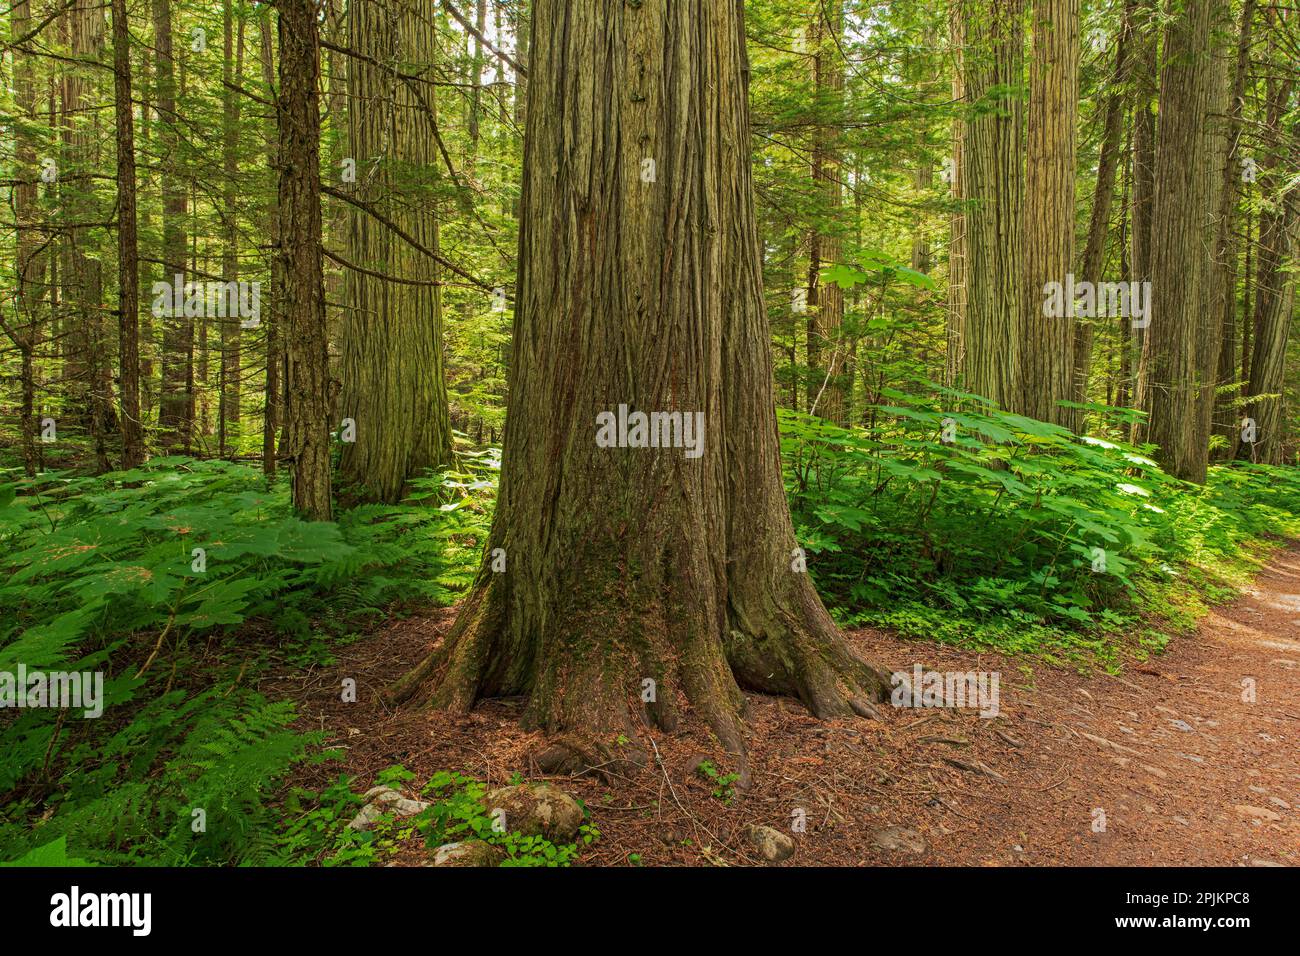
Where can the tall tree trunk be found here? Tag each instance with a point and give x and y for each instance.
(271, 303)
(394, 387)
(148, 345)
(29, 267)
(826, 301)
(307, 429)
(1274, 282)
(176, 403)
(1188, 169)
(1094, 252)
(128, 257)
(231, 359)
(1224, 418)
(633, 564)
(992, 184)
(476, 81)
(955, 326)
(1047, 353)
(1146, 82)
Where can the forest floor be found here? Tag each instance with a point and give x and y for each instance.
(1185, 771)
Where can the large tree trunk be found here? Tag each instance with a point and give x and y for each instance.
(1188, 169)
(628, 564)
(394, 387)
(307, 429)
(128, 257)
(992, 183)
(1047, 354)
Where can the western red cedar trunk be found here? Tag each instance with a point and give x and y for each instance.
(826, 300)
(476, 80)
(1187, 170)
(143, 92)
(88, 374)
(1146, 81)
(128, 257)
(955, 326)
(307, 429)
(176, 403)
(1274, 283)
(393, 383)
(628, 564)
(29, 259)
(1124, 339)
(231, 358)
(272, 301)
(1047, 352)
(992, 182)
(1094, 251)
(1224, 420)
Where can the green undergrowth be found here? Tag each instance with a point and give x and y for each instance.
(951, 520)
(315, 829)
(181, 582)
(188, 583)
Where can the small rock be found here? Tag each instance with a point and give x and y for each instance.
(537, 809)
(382, 801)
(1279, 802)
(900, 839)
(772, 845)
(468, 853)
(1260, 812)
(1183, 725)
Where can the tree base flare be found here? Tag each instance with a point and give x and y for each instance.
(608, 676)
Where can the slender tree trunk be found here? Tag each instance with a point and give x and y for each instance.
(826, 301)
(307, 429)
(231, 358)
(628, 565)
(176, 402)
(1146, 81)
(1124, 338)
(393, 384)
(956, 316)
(147, 343)
(1047, 353)
(1094, 252)
(30, 260)
(1224, 418)
(271, 304)
(128, 257)
(1188, 169)
(476, 81)
(1274, 283)
(993, 185)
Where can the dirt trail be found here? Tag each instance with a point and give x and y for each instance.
(1185, 768)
